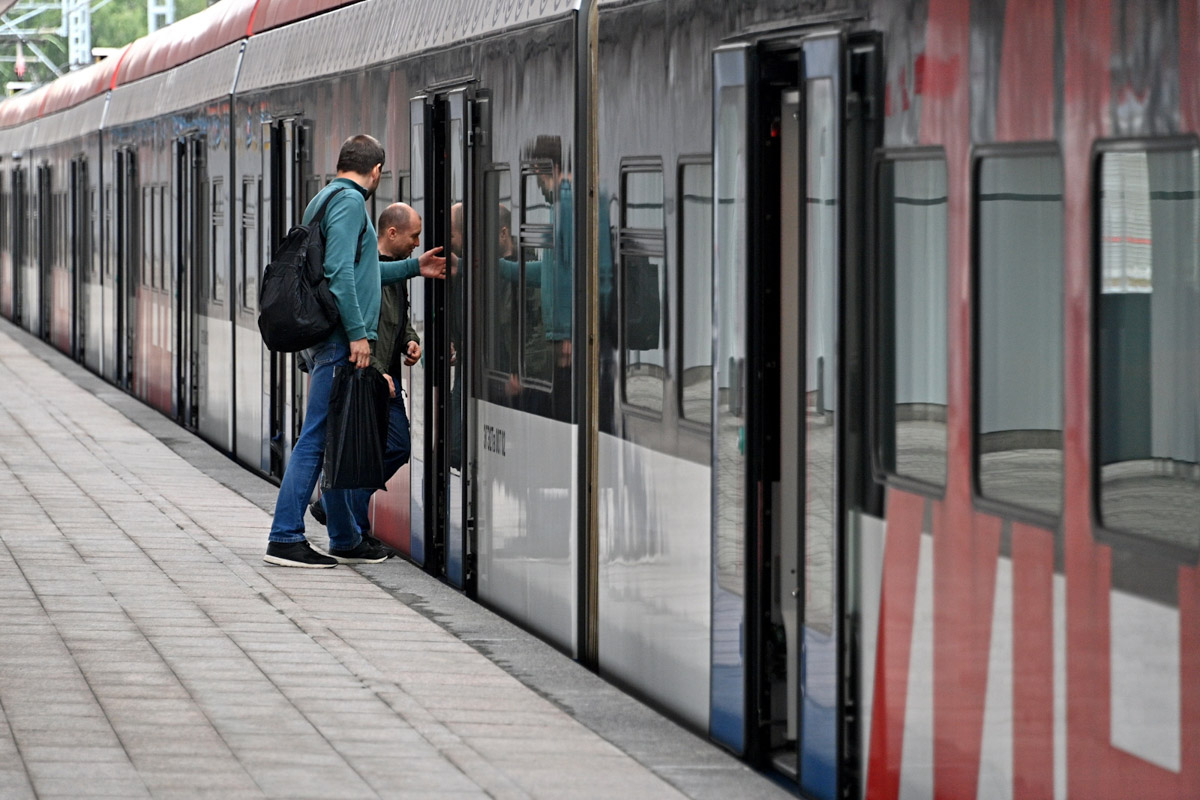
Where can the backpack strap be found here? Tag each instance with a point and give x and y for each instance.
(316, 220)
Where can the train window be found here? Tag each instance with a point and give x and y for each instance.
(249, 244)
(4, 219)
(501, 288)
(642, 252)
(147, 234)
(1147, 362)
(109, 263)
(383, 195)
(163, 253)
(1019, 323)
(912, 317)
(695, 294)
(216, 268)
(538, 279)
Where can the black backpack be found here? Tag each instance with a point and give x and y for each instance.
(296, 309)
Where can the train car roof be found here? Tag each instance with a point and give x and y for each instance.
(204, 32)
(23, 107)
(53, 129)
(199, 82)
(211, 29)
(270, 14)
(380, 31)
(80, 85)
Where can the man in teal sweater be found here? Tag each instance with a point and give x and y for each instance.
(355, 278)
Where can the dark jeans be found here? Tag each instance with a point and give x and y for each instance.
(304, 466)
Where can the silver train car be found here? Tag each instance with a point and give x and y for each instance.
(823, 373)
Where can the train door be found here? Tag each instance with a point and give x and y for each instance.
(445, 141)
(44, 265)
(284, 200)
(189, 235)
(788, 123)
(20, 231)
(79, 229)
(128, 267)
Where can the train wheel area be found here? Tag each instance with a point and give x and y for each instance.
(148, 651)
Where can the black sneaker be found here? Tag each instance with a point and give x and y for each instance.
(365, 552)
(318, 511)
(371, 540)
(297, 554)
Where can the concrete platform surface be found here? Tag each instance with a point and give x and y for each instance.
(147, 651)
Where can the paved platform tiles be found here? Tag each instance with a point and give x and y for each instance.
(147, 651)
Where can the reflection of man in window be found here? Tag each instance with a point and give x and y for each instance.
(536, 346)
(557, 281)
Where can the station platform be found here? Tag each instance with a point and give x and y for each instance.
(147, 651)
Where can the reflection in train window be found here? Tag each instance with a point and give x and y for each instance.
(5, 222)
(912, 317)
(540, 273)
(383, 197)
(248, 243)
(218, 221)
(1019, 382)
(501, 290)
(1147, 360)
(642, 251)
(163, 254)
(147, 237)
(695, 296)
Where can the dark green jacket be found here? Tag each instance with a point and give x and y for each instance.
(395, 326)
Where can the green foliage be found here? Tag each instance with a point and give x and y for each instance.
(116, 24)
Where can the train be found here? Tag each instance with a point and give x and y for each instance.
(825, 373)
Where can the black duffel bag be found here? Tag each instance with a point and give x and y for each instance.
(296, 309)
(356, 429)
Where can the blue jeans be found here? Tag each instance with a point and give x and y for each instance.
(394, 457)
(304, 467)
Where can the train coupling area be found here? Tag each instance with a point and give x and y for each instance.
(147, 651)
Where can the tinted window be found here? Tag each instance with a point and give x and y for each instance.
(1148, 360)
(1020, 298)
(249, 244)
(912, 317)
(539, 273)
(642, 249)
(500, 276)
(215, 260)
(695, 302)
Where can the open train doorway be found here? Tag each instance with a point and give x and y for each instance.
(791, 137)
(448, 142)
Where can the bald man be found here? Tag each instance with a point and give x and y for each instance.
(398, 346)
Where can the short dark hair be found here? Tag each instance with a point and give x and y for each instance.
(360, 154)
(547, 148)
(398, 216)
(505, 217)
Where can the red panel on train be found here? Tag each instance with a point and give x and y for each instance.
(22, 108)
(189, 38)
(274, 13)
(76, 87)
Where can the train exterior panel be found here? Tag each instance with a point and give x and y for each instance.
(823, 373)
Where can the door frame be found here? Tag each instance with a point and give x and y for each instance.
(447, 547)
(765, 68)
